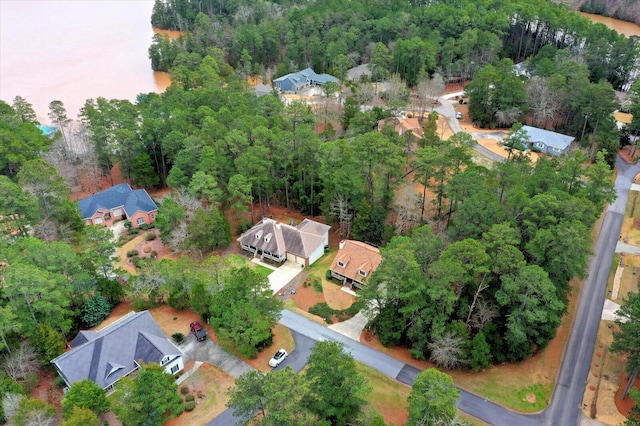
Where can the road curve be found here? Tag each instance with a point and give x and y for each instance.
(564, 408)
(448, 111)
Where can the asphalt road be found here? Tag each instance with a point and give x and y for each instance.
(564, 408)
(449, 112)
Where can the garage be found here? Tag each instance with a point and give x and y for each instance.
(297, 259)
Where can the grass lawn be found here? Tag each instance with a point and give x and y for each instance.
(387, 396)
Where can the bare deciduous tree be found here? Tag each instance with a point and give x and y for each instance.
(188, 202)
(21, 363)
(508, 117)
(428, 91)
(178, 236)
(483, 314)
(340, 210)
(10, 403)
(446, 352)
(542, 102)
(407, 206)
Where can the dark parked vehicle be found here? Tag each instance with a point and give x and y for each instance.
(198, 331)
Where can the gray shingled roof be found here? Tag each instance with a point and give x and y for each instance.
(547, 137)
(299, 78)
(109, 354)
(120, 195)
(301, 240)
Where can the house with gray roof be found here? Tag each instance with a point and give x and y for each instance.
(118, 202)
(278, 242)
(297, 81)
(547, 141)
(107, 355)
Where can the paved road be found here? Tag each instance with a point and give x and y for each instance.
(449, 112)
(564, 408)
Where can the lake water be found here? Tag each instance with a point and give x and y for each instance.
(75, 50)
(623, 27)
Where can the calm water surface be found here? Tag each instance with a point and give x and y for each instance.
(623, 27)
(75, 50)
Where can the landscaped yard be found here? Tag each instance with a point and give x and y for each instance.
(209, 386)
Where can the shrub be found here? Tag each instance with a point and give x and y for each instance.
(185, 389)
(153, 254)
(189, 397)
(150, 236)
(134, 231)
(327, 275)
(128, 225)
(317, 286)
(306, 283)
(132, 253)
(189, 405)
(179, 338)
(322, 310)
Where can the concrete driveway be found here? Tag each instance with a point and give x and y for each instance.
(282, 275)
(210, 352)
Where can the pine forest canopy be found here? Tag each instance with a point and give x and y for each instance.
(422, 36)
(491, 284)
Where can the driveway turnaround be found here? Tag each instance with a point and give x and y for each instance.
(210, 352)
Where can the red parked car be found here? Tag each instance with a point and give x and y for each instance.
(198, 331)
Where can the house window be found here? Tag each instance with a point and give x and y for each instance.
(97, 221)
(153, 216)
(174, 369)
(341, 264)
(362, 273)
(556, 149)
(540, 145)
(140, 220)
(117, 212)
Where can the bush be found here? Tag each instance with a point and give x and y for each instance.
(128, 225)
(150, 236)
(327, 275)
(132, 253)
(189, 405)
(306, 283)
(134, 231)
(185, 389)
(179, 338)
(153, 254)
(322, 310)
(189, 397)
(317, 285)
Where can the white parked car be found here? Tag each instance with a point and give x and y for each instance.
(278, 358)
(458, 115)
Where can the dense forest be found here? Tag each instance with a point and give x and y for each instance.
(476, 263)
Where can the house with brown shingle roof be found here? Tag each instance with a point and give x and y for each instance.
(278, 242)
(355, 262)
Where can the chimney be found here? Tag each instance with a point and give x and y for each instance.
(342, 243)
